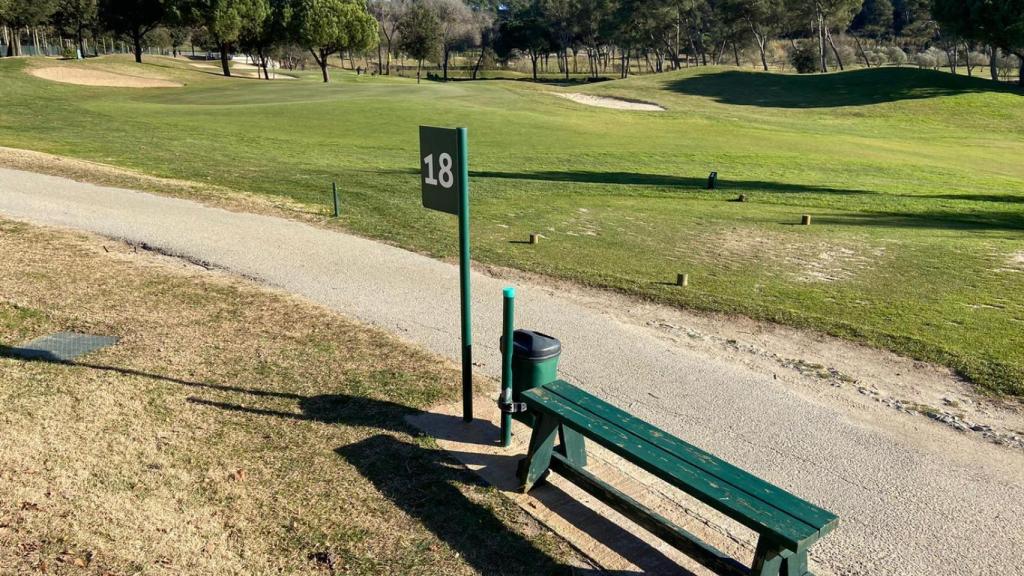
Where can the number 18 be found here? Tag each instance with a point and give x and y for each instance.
(445, 175)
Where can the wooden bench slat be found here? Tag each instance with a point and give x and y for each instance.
(752, 512)
(821, 519)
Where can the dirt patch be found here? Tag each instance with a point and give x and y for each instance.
(833, 263)
(87, 77)
(608, 102)
(802, 260)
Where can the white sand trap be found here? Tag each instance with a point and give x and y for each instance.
(86, 77)
(607, 102)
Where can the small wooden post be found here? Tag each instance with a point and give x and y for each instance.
(534, 238)
(334, 193)
(682, 279)
(805, 220)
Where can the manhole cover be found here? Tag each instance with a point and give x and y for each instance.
(62, 346)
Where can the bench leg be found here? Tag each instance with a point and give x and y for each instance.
(773, 560)
(795, 565)
(767, 559)
(573, 446)
(538, 458)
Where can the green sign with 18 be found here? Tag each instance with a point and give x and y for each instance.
(439, 168)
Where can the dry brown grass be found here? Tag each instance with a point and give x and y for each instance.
(232, 430)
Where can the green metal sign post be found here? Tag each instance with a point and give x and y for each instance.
(444, 179)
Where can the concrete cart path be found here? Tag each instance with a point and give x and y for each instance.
(913, 497)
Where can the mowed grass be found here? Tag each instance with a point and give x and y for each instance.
(230, 431)
(914, 179)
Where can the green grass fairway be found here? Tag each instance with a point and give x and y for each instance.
(915, 180)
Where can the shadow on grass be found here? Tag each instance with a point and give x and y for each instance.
(431, 496)
(422, 482)
(967, 221)
(664, 180)
(862, 87)
(1000, 198)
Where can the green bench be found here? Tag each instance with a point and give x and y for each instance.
(787, 525)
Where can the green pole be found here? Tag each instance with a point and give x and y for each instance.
(334, 192)
(464, 269)
(508, 325)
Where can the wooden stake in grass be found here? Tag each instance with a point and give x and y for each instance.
(682, 280)
(534, 238)
(334, 194)
(805, 220)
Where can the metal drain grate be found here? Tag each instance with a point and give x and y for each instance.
(62, 346)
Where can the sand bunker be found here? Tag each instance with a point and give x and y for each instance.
(606, 102)
(87, 77)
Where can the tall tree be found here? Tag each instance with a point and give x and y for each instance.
(761, 17)
(875, 21)
(912, 22)
(179, 36)
(22, 14)
(998, 23)
(134, 18)
(259, 41)
(459, 27)
(388, 14)
(227, 20)
(419, 35)
(327, 26)
(75, 18)
(826, 16)
(525, 29)
(4, 34)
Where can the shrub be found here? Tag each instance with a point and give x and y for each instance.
(977, 59)
(68, 53)
(939, 57)
(1007, 64)
(896, 55)
(804, 57)
(846, 52)
(925, 60)
(877, 57)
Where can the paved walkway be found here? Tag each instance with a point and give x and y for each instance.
(913, 498)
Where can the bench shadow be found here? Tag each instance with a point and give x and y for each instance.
(863, 87)
(432, 497)
(422, 481)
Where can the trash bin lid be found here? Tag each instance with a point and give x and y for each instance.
(535, 345)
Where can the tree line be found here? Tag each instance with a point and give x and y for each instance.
(619, 35)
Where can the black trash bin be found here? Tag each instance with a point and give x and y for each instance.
(534, 360)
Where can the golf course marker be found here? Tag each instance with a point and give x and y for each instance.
(444, 181)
